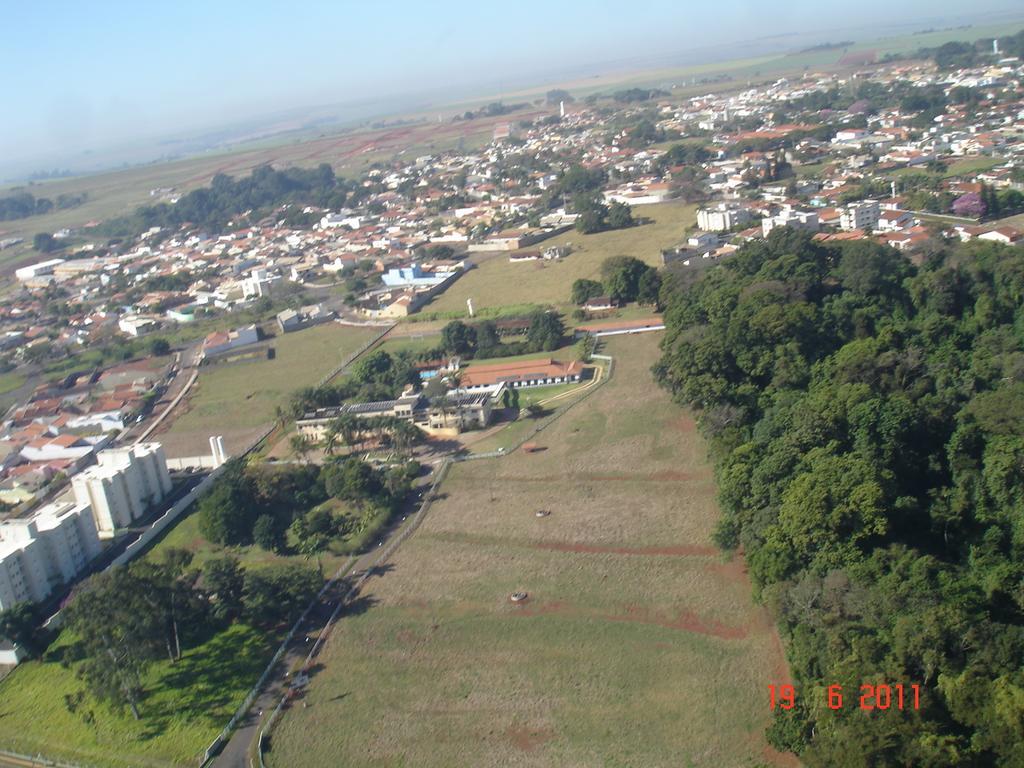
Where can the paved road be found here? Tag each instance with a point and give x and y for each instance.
(241, 746)
(187, 366)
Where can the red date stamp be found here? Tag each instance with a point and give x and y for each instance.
(883, 696)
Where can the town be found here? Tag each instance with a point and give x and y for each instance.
(335, 343)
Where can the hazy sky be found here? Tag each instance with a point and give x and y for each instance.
(88, 74)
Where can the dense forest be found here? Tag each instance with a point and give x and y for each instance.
(227, 199)
(866, 419)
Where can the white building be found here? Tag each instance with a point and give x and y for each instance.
(722, 217)
(790, 217)
(123, 485)
(136, 325)
(219, 342)
(42, 552)
(260, 283)
(37, 270)
(860, 216)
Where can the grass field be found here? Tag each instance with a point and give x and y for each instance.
(237, 400)
(638, 645)
(185, 706)
(971, 165)
(498, 282)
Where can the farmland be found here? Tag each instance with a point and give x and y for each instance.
(638, 644)
(239, 399)
(498, 282)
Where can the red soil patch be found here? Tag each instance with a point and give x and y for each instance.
(684, 424)
(734, 570)
(686, 621)
(667, 475)
(527, 739)
(680, 551)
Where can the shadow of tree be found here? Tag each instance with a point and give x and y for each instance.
(206, 683)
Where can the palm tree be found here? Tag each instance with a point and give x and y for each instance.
(347, 426)
(301, 446)
(405, 435)
(330, 440)
(281, 417)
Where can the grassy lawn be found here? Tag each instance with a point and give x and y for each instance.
(564, 353)
(8, 383)
(812, 169)
(185, 707)
(497, 282)
(414, 344)
(638, 644)
(238, 400)
(971, 165)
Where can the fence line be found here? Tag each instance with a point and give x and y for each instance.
(352, 357)
(40, 760)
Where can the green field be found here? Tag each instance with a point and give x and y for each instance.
(185, 706)
(971, 165)
(238, 400)
(638, 646)
(498, 282)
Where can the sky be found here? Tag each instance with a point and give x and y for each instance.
(84, 75)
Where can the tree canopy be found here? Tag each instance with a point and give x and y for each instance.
(865, 420)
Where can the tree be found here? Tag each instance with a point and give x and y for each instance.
(118, 636)
(457, 338)
(300, 445)
(224, 579)
(584, 289)
(267, 534)
(970, 205)
(159, 347)
(18, 625)
(486, 338)
(554, 96)
(226, 512)
(44, 242)
(585, 348)
(648, 287)
(405, 435)
(620, 216)
(279, 593)
(592, 214)
(621, 277)
(545, 332)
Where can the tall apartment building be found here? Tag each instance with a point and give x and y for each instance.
(859, 216)
(41, 552)
(124, 483)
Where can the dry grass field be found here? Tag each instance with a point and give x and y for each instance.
(497, 282)
(638, 644)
